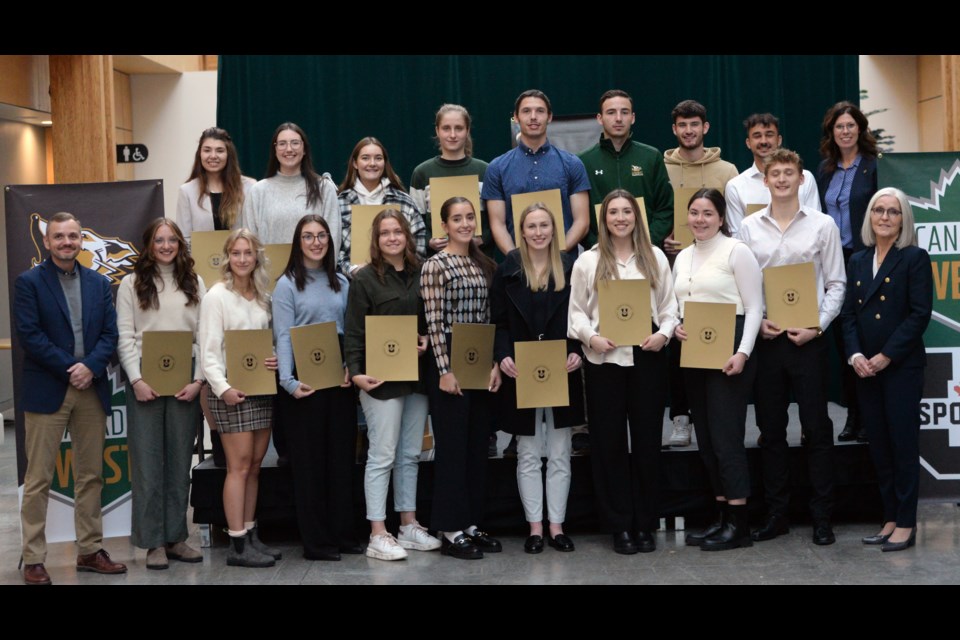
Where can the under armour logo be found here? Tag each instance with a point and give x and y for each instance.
(598, 172)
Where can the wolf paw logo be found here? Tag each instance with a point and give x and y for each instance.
(113, 258)
(317, 356)
(624, 312)
(391, 347)
(791, 296)
(249, 362)
(708, 335)
(541, 374)
(471, 356)
(167, 363)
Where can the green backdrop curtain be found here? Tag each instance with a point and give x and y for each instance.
(340, 99)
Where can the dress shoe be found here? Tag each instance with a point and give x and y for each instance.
(900, 546)
(580, 444)
(645, 542)
(157, 559)
(484, 541)
(461, 547)
(734, 534)
(849, 432)
(560, 542)
(623, 543)
(352, 549)
(696, 539)
(878, 538)
(533, 544)
(36, 574)
(862, 436)
(773, 527)
(823, 533)
(100, 562)
(328, 555)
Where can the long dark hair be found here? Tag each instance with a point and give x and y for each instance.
(866, 143)
(351, 178)
(411, 263)
(295, 269)
(148, 272)
(715, 198)
(310, 176)
(231, 202)
(486, 264)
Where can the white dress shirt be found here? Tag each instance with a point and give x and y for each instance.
(748, 188)
(811, 236)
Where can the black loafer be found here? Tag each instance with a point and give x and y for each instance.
(484, 541)
(645, 542)
(878, 538)
(623, 543)
(823, 534)
(353, 549)
(534, 544)
(773, 527)
(696, 539)
(560, 542)
(461, 548)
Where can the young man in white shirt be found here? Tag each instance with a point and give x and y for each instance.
(795, 358)
(748, 188)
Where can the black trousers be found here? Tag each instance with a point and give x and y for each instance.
(622, 401)
(848, 377)
(461, 430)
(890, 406)
(718, 408)
(781, 367)
(679, 406)
(322, 436)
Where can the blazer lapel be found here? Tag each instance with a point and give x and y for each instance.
(893, 257)
(49, 272)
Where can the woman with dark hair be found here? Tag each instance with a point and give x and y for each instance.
(241, 300)
(888, 307)
(718, 268)
(291, 188)
(529, 300)
(396, 412)
(370, 179)
(212, 197)
(452, 125)
(626, 385)
(162, 294)
(321, 424)
(847, 179)
(455, 287)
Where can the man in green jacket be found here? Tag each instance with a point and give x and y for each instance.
(619, 162)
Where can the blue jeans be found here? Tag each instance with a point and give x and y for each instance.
(395, 430)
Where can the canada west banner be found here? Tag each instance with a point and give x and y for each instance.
(931, 183)
(113, 216)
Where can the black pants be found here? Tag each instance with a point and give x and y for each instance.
(781, 367)
(679, 406)
(718, 408)
(848, 377)
(624, 400)
(322, 434)
(461, 430)
(890, 406)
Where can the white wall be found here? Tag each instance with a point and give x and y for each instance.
(22, 161)
(891, 82)
(169, 114)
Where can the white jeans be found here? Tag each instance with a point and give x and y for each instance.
(395, 430)
(529, 452)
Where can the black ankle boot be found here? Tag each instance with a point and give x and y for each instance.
(734, 534)
(696, 539)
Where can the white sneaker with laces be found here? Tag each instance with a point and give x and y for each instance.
(681, 432)
(415, 536)
(385, 547)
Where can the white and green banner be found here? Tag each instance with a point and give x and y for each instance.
(931, 182)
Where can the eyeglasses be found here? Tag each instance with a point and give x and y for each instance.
(293, 144)
(309, 238)
(890, 213)
(849, 126)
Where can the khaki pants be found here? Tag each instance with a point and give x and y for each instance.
(81, 413)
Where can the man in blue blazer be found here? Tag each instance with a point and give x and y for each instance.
(67, 326)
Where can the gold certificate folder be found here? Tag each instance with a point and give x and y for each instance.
(710, 328)
(246, 351)
(471, 354)
(167, 363)
(625, 311)
(542, 374)
(790, 293)
(316, 352)
(391, 345)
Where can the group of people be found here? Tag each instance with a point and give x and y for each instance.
(519, 277)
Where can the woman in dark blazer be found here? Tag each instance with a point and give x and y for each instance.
(846, 180)
(528, 301)
(887, 308)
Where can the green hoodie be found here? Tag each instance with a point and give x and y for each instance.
(639, 169)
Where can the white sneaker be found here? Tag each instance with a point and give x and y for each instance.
(415, 536)
(681, 432)
(385, 547)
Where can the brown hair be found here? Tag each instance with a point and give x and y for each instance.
(866, 143)
(148, 273)
(642, 248)
(231, 202)
(351, 178)
(486, 264)
(411, 262)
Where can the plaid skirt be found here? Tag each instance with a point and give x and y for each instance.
(255, 412)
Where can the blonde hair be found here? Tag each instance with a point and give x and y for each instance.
(537, 281)
(260, 278)
(642, 249)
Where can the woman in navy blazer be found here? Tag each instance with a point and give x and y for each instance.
(887, 309)
(846, 180)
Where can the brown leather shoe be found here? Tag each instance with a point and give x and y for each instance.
(100, 562)
(35, 574)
